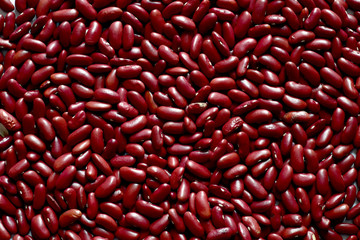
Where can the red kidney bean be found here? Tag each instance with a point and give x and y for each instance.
(132, 175)
(289, 233)
(149, 209)
(255, 187)
(93, 34)
(297, 158)
(193, 224)
(78, 34)
(331, 18)
(202, 205)
(303, 200)
(285, 177)
(197, 169)
(337, 212)
(159, 225)
(252, 225)
(346, 228)
(86, 9)
(51, 220)
(336, 178)
(241, 206)
(123, 232)
(34, 45)
(158, 174)
(106, 188)
(66, 177)
(244, 21)
(325, 32)
(207, 22)
(331, 77)
(134, 125)
(257, 156)
(63, 161)
(38, 227)
(183, 22)
(292, 220)
(137, 220)
(101, 164)
(303, 179)
(69, 217)
(334, 200)
(160, 193)
(178, 104)
(9, 224)
(7, 6)
(106, 221)
(235, 171)
(79, 60)
(261, 206)
(290, 201)
(243, 231)
(18, 168)
(177, 220)
(25, 191)
(183, 192)
(228, 160)
(9, 121)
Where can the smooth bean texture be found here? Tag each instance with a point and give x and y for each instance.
(179, 119)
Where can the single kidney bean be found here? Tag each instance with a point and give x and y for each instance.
(38, 227)
(106, 188)
(69, 217)
(25, 191)
(202, 205)
(51, 219)
(337, 212)
(106, 221)
(256, 156)
(137, 220)
(123, 232)
(290, 201)
(66, 177)
(148, 209)
(285, 177)
(193, 224)
(255, 187)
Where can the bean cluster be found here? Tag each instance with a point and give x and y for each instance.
(198, 119)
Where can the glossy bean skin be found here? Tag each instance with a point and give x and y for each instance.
(38, 227)
(179, 119)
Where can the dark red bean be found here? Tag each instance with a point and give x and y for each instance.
(86, 9)
(184, 127)
(51, 219)
(290, 201)
(82, 76)
(337, 212)
(9, 121)
(197, 169)
(134, 125)
(6, 205)
(252, 225)
(255, 187)
(193, 224)
(69, 217)
(39, 228)
(122, 232)
(285, 177)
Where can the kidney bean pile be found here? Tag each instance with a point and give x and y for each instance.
(199, 119)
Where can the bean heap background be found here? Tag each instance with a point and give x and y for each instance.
(179, 119)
